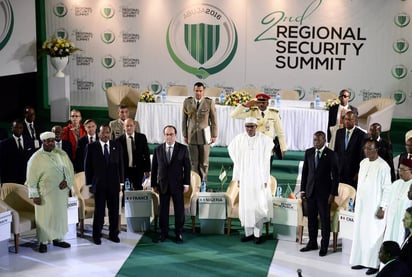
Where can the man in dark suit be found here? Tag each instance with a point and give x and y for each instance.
(389, 255)
(337, 112)
(385, 148)
(171, 178)
(104, 171)
(319, 187)
(62, 144)
(32, 129)
(136, 157)
(90, 126)
(348, 147)
(14, 155)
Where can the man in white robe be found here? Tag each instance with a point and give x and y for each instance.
(50, 175)
(250, 153)
(372, 196)
(398, 203)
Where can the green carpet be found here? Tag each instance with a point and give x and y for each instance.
(199, 255)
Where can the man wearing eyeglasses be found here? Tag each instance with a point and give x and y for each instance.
(336, 114)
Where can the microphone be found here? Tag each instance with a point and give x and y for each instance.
(299, 271)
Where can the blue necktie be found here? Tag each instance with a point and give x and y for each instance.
(347, 139)
(169, 153)
(106, 153)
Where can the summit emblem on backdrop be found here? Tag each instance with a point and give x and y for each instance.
(6, 22)
(202, 40)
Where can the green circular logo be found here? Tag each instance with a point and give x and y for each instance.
(107, 37)
(399, 96)
(107, 12)
(202, 40)
(108, 61)
(61, 33)
(301, 92)
(60, 10)
(155, 86)
(402, 19)
(399, 71)
(107, 84)
(6, 22)
(401, 46)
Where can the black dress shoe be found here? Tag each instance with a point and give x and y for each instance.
(371, 271)
(161, 238)
(323, 252)
(114, 239)
(248, 238)
(259, 240)
(358, 267)
(179, 239)
(97, 241)
(309, 248)
(42, 248)
(60, 243)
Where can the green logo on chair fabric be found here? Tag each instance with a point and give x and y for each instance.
(402, 19)
(107, 12)
(399, 96)
(60, 10)
(399, 71)
(108, 37)
(6, 23)
(108, 61)
(202, 40)
(401, 46)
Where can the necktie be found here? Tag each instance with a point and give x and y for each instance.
(197, 105)
(91, 140)
(106, 153)
(20, 146)
(347, 139)
(33, 133)
(317, 157)
(133, 148)
(169, 153)
(263, 114)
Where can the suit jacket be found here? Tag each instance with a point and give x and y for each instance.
(173, 175)
(333, 114)
(37, 128)
(80, 152)
(406, 253)
(141, 155)
(385, 152)
(69, 135)
(67, 147)
(103, 176)
(195, 120)
(13, 162)
(322, 180)
(117, 128)
(395, 268)
(350, 158)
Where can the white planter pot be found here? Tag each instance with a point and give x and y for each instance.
(59, 63)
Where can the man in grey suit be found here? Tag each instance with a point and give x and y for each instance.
(117, 125)
(171, 178)
(199, 118)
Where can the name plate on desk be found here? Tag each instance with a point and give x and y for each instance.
(285, 211)
(138, 203)
(346, 222)
(5, 221)
(212, 205)
(72, 210)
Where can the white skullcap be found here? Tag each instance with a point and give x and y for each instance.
(47, 135)
(251, 120)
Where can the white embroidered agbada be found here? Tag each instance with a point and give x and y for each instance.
(398, 203)
(45, 171)
(251, 158)
(374, 184)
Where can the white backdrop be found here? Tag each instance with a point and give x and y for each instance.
(308, 45)
(17, 37)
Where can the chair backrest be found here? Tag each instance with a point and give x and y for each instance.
(345, 192)
(289, 94)
(273, 185)
(213, 91)
(17, 197)
(122, 95)
(232, 191)
(178, 90)
(194, 187)
(251, 90)
(326, 95)
(79, 186)
(376, 110)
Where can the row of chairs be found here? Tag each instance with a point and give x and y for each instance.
(14, 198)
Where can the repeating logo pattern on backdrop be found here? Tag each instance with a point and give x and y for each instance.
(60, 10)
(6, 22)
(202, 40)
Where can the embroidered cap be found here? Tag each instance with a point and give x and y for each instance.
(251, 120)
